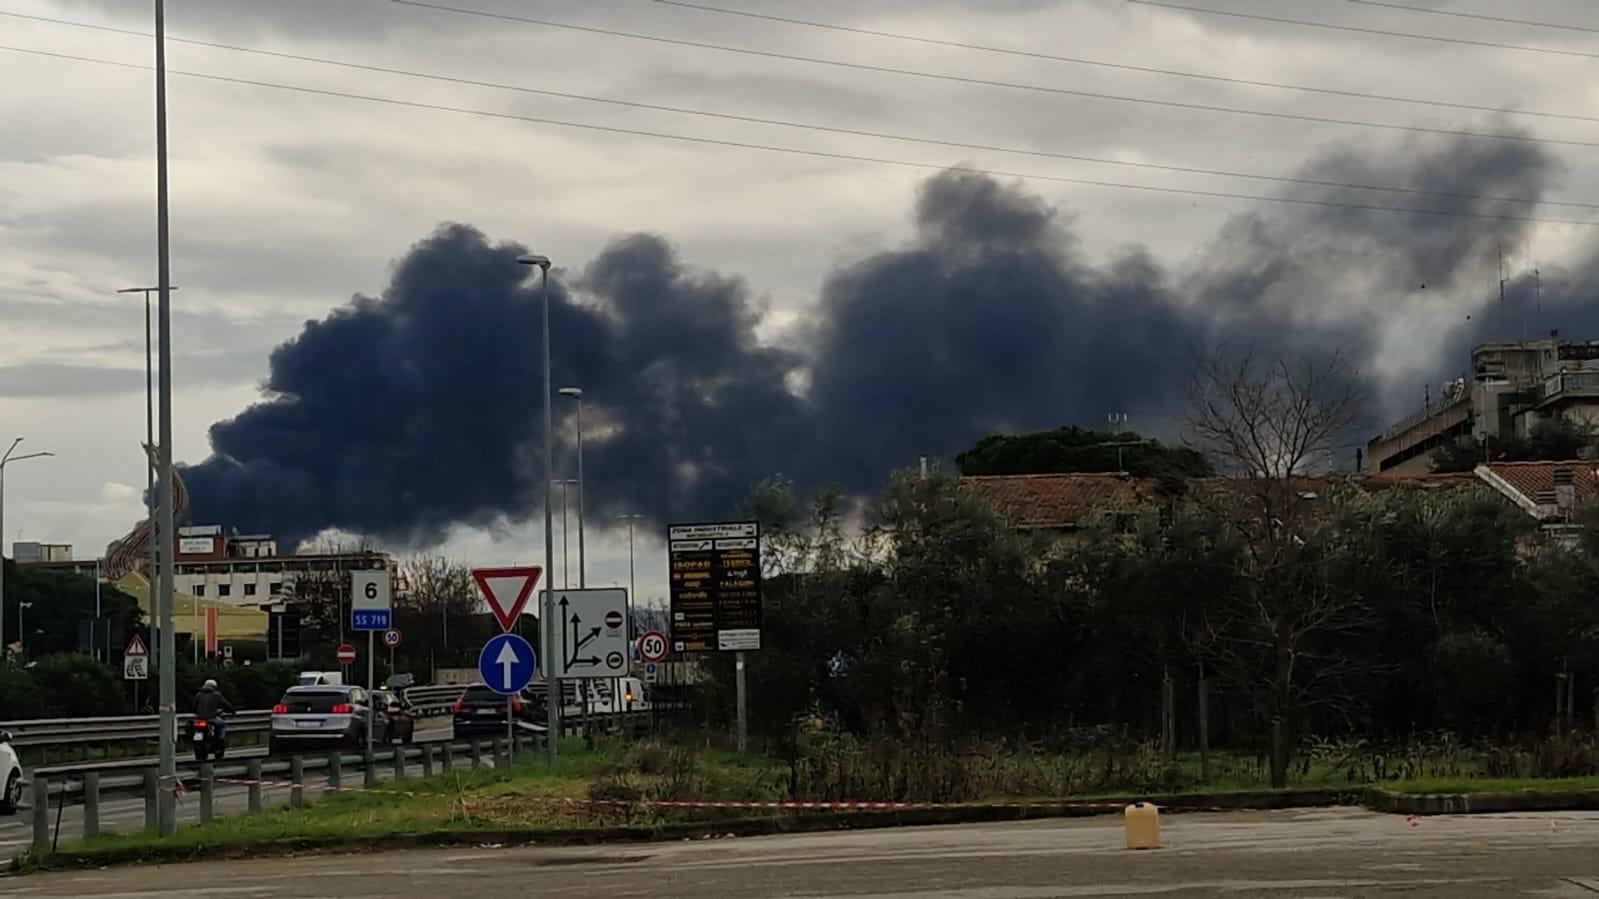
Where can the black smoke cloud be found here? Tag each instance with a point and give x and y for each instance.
(401, 415)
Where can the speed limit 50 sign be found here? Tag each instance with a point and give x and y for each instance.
(652, 646)
(369, 601)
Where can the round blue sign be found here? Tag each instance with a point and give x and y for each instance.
(507, 664)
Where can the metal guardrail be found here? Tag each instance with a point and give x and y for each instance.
(425, 702)
(58, 731)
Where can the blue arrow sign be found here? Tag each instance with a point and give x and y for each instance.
(506, 663)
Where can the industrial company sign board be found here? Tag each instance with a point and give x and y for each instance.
(592, 637)
(715, 586)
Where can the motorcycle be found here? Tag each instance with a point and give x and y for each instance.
(208, 738)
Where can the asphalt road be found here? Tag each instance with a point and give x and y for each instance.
(1320, 853)
(126, 813)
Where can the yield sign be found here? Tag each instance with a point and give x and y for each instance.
(136, 647)
(507, 590)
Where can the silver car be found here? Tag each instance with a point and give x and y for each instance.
(321, 717)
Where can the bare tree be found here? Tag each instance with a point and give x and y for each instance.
(439, 605)
(1273, 423)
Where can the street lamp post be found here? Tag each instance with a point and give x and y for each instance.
(22, 630)
(149, 462)
(167, 804)
(552, 702)
(566, 564)
(632, 585)
(5, 460)
(576, 393)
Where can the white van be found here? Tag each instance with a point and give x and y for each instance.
(321, 679)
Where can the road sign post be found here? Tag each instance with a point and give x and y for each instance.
(506, 665)
(136, 665)
(370, 611)
(507, 591)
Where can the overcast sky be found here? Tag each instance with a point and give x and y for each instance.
(284, 204)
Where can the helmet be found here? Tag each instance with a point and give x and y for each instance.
(209, 684)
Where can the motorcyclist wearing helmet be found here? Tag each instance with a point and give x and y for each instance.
(210, 704)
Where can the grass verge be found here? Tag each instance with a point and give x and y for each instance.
(1466, 785)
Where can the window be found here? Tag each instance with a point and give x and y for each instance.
(275, 588)
(224, 589)
(199, 589)
(249, 588)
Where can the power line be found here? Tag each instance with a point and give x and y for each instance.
(1077, 60)
(797, 151)
(1012, 85)
(808, 126)
(1478, 16)
(1359, 30)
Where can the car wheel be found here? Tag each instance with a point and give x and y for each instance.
(13, 796)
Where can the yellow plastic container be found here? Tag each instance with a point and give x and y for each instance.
(1143, 826)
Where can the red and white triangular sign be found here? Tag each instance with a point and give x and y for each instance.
(136, 647)
(507, 590)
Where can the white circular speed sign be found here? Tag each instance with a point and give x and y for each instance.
(652, 646)
(391, 638)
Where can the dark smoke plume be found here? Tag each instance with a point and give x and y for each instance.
(403, 414)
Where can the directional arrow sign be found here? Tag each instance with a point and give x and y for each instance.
(506, 664)
(591, 640)
(507, 590)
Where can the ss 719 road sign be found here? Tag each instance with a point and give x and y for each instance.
(507, 590)
(591, 640)
(369, 601)
(652, 647)
(506, 663)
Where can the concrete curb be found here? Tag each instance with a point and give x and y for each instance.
(1378, 799)
(789, 822)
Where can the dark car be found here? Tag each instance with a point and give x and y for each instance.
(323, 717)
(398, 713)
(481, 712)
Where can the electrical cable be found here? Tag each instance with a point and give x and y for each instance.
(797, 151)
(1355, 29)
(1012, 85)
(1478, 16)
(1192, 170)
(1076, 60)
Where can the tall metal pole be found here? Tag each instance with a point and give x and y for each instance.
(582, 569)
(5, 459)
(167, 805)
(149, 478)
(566, 563)
(553, 695)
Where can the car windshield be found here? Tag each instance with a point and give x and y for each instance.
(314, 700)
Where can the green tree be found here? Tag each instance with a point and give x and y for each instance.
(1074, 449)
(1550, 440)
(58, 603)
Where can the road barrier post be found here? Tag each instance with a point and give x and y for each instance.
(91, 805)
(427, 760)
(399, 762)
(502, 752)
(297, 782)
(335, 772)
(477, 754)
(369, 771)
(447, 761)
(253, 773)
(207, 793)
(152, 780)
(41, 814)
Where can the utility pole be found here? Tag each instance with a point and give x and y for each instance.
(1118, 423)
(5, 460)
(166, 810)
(552, 702)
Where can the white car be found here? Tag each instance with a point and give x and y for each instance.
(12, 769)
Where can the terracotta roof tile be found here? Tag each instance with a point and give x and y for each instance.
(1537, 481)
(1061, 500)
